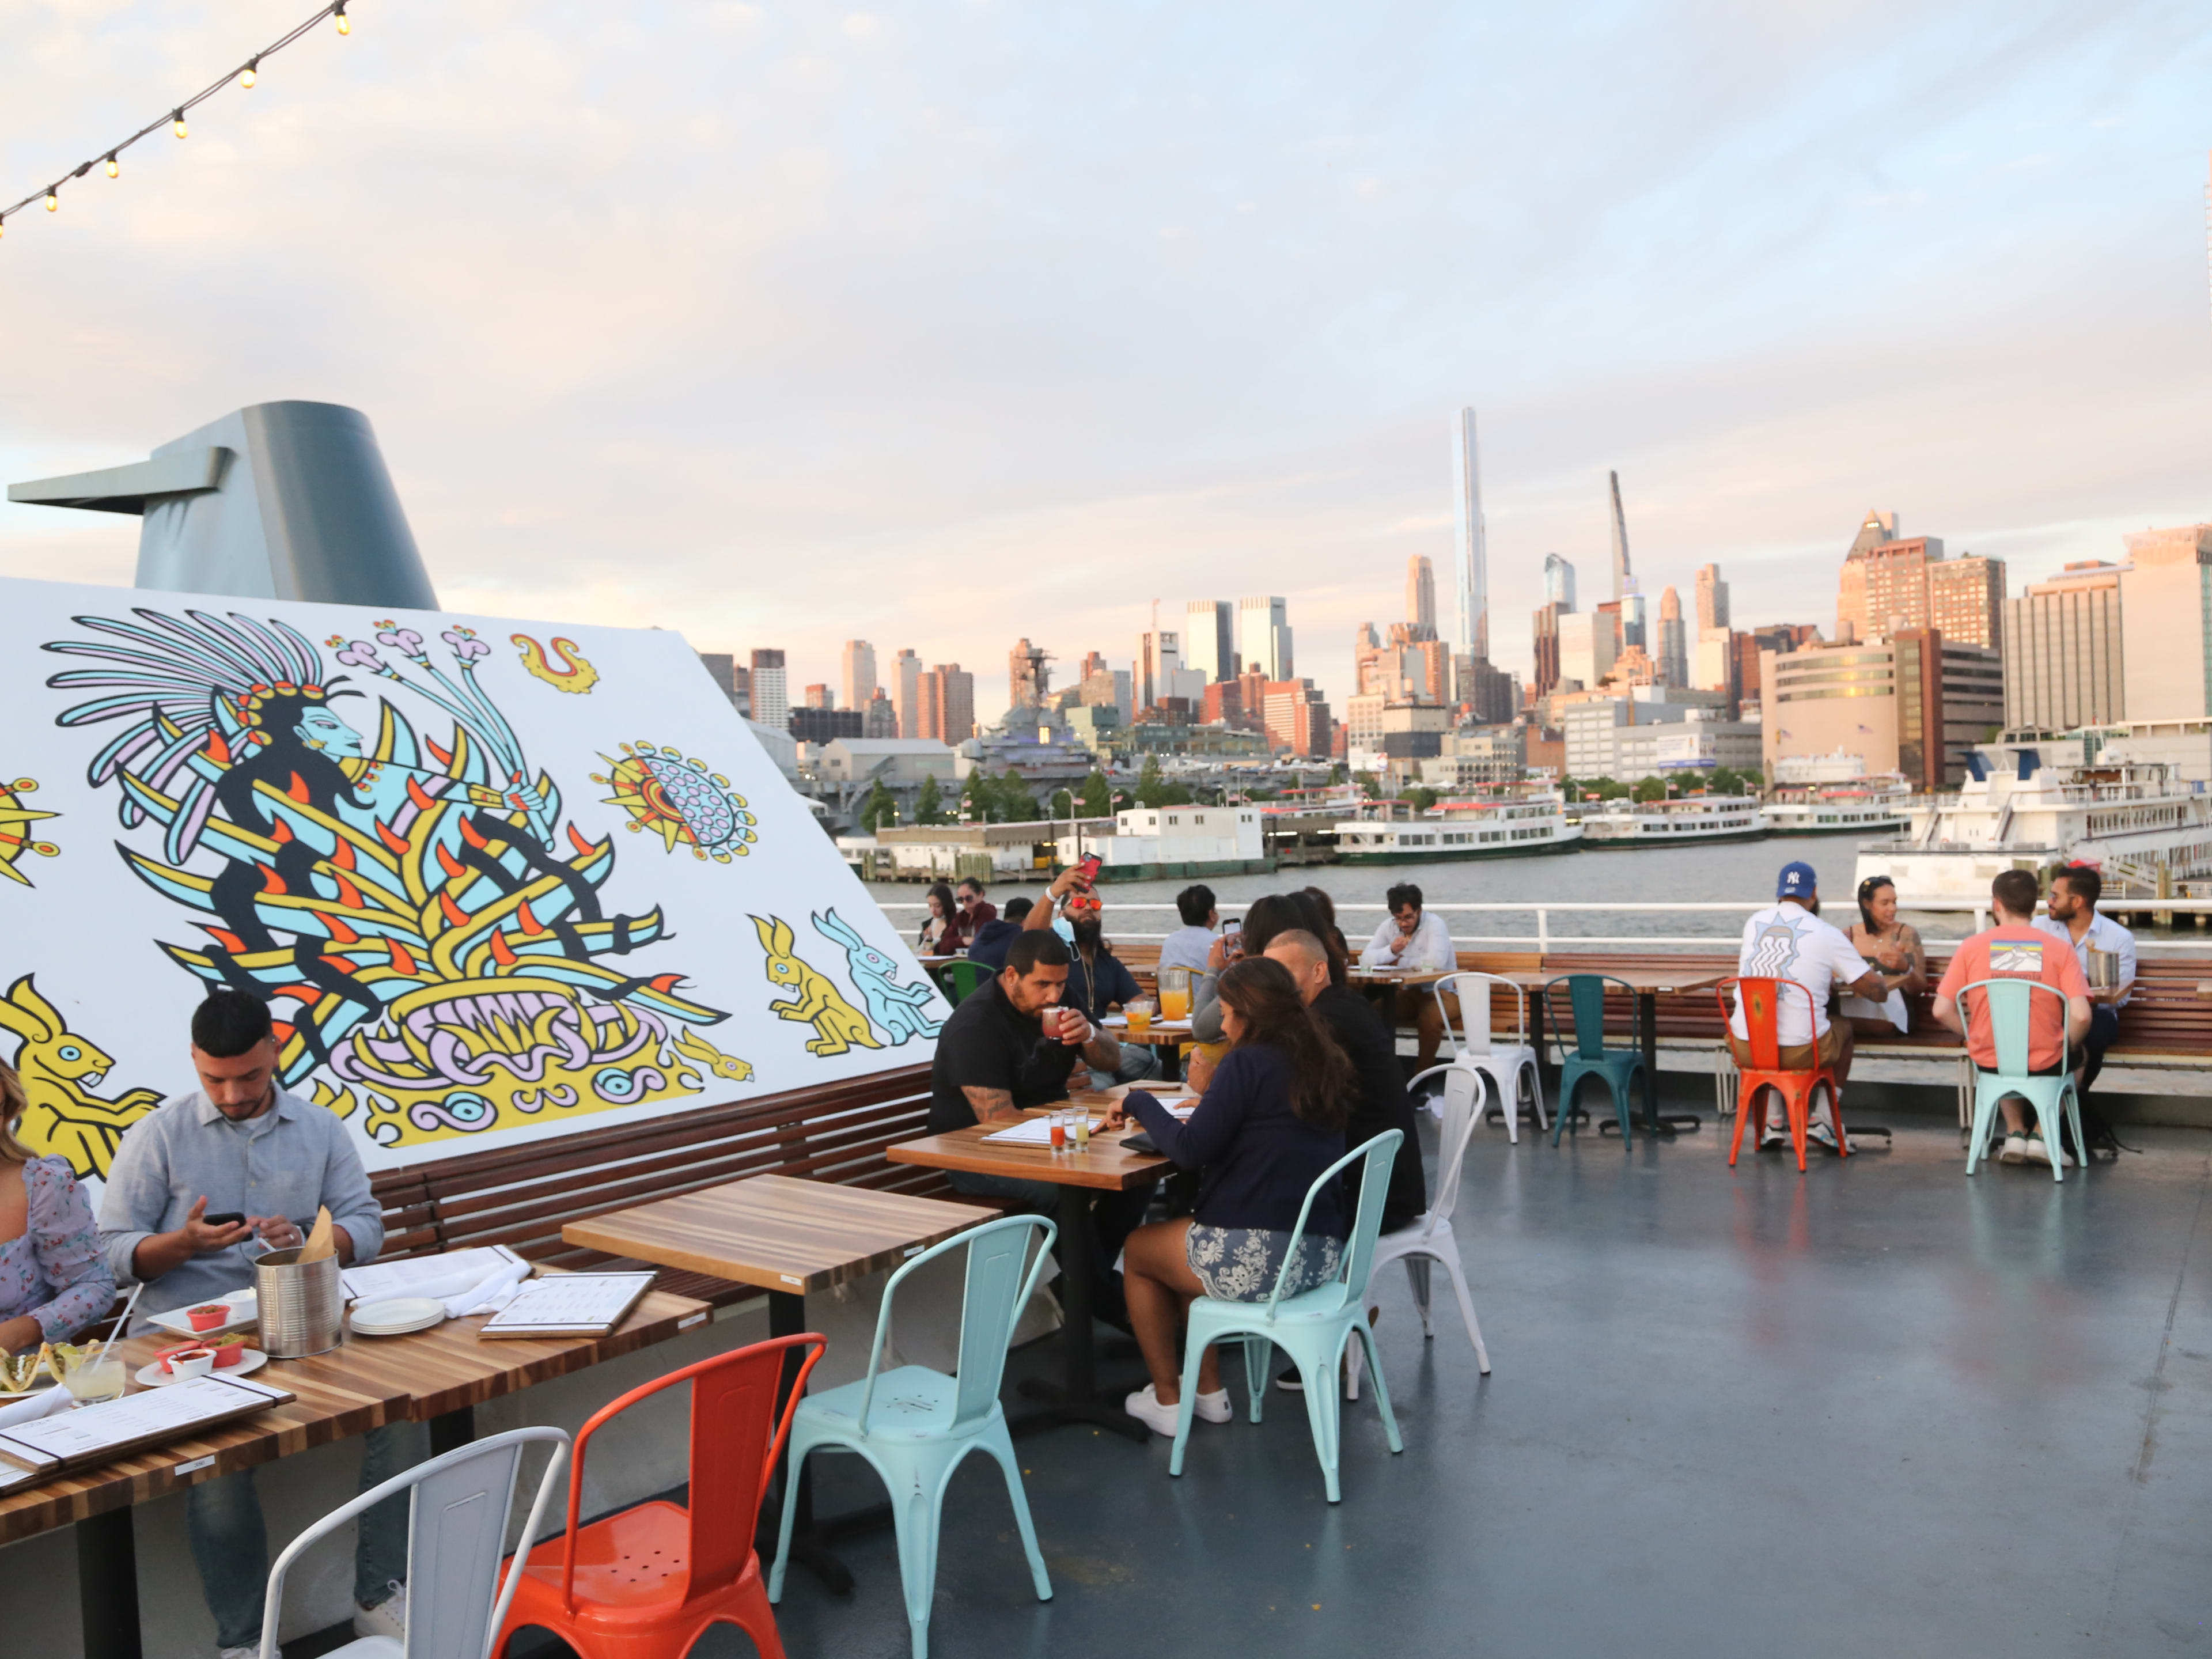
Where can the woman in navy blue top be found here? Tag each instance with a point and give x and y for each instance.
(1270, 1122)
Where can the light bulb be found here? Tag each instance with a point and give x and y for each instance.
(113, 170)
(54, 202)
(179, 119)
(345, 22)
(247, 77)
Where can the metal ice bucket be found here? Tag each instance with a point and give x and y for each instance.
(2104, 969)
(302, 1304)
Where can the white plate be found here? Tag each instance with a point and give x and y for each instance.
(245, 1313)
(398, 1315)
(152, 1376)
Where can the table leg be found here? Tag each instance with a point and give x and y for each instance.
(1647, 1031)
(1077, 1399)
(1170, 1062)
(787, 1316)
(107, 1585)
(451, 1431)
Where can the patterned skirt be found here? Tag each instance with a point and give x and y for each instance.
(1241, 1264)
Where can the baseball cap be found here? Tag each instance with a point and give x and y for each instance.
(1796, 880)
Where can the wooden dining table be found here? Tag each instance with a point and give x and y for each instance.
(787, 1237)
(438, 1376)
(1103, 1165)
(1164, 1036)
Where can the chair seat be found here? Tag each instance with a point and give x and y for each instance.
(1415, 1234)
(1310, 1307)
(635, 1558)
(911, 1403)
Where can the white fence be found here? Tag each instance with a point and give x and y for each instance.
(1543, 938)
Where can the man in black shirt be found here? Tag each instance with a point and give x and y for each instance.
(995, 1057)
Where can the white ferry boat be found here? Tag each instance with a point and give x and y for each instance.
(1874, 807)
(1673, 823)
(2134, 820)
(1504, 828)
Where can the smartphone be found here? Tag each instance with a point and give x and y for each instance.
(1232, 938)
(1087, 871)
(224, 1218)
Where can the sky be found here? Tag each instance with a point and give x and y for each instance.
(943, 324)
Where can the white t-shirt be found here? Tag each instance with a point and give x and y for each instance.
(1787, 941)
(2104, 934)
(1429, 948)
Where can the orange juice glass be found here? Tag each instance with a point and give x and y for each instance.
(1174, 994)
(1140, 1018)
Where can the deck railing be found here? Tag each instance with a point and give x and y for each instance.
(1544, 937)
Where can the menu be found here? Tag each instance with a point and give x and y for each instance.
(92, 1433)
(569, 1305)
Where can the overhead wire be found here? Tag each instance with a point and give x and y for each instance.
(245, 75)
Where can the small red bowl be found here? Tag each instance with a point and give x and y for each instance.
(208, 1316)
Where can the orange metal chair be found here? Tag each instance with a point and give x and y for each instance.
(643, 1583)
(1762, 1002)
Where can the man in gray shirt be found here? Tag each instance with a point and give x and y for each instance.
(239, 1144)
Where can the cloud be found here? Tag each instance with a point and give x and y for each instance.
(787, 325)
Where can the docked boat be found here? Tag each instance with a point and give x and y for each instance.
(1876, 807)
(1507, 827)
(1673, 823)
(2145, 830)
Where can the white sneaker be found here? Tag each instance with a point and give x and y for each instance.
(2034, 1150)
(1822, 1134)
(1777, 1134)
(1145, 1406)
(2016, 1150)
(388, 1618)
(251, 1651)
(1213, 1408)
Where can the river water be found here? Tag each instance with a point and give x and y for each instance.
(1741, 872)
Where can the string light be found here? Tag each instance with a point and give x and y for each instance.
(245, 75)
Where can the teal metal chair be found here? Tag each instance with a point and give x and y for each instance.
(1314, 1328)
(2011, 1006)
(914, 1425)
(960, 978)
(1619, 1067)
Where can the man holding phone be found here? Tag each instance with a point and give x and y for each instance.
(1097, 980)
(200, 1187)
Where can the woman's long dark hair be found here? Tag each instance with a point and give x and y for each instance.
(1266, 998)
(1867, 889)
(948, 907)
(1283, 913)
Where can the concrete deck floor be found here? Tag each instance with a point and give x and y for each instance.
(1876, 1409)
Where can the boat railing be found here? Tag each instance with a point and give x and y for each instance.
(1542, 936)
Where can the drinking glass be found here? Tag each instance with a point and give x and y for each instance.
(1058, 1121)
(1140, 1017)
(1175, 992)
(90, 1384)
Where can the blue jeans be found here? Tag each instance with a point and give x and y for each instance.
(230, 1544)
(1138, 1063)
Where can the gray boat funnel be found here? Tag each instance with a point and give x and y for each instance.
(285, 501)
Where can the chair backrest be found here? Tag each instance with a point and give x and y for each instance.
(2011, 1005)
(456, 1536)
(736, 1432)
(1462, 1097)
(1761, 1002)
(996, 1292)
(962, 977)
(1586, 1000)
(1358, 1257)
(1471, 990)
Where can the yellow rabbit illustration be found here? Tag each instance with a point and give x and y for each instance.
(838, 1025)
(59, 1070)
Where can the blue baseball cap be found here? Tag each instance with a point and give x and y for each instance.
(1796, 880)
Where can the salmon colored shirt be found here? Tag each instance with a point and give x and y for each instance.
(2016, 950)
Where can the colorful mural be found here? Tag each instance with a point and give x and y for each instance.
(59, 1070)
(576, 675)
(680, 800)
(16, 821)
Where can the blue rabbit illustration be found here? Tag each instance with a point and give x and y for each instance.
(898, 1011)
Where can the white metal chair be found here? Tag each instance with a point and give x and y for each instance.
(1505, 1064)
(1430, 1239)
(456, 1537)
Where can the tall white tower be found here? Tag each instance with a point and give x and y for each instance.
(1622, 587)
(1474, 552)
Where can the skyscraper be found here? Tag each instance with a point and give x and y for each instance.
(1558, 581)
(860, 673)
(1712, 598)
(1027, 678)
(771, 700)
(1673, 653)
(1473, 548)
(1263, 630)
(1209, 639)
(948, 704)
(906, 693)
(1421, 597)
(1622, 587)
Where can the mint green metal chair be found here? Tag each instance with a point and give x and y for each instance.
(961, 978)
(914, 1425)
(2011, 1004)
(1314, 1328)
(1590, 1057)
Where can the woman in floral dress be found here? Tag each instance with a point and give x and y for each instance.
(53, 1281)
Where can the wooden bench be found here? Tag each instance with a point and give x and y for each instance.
(520, 1196)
